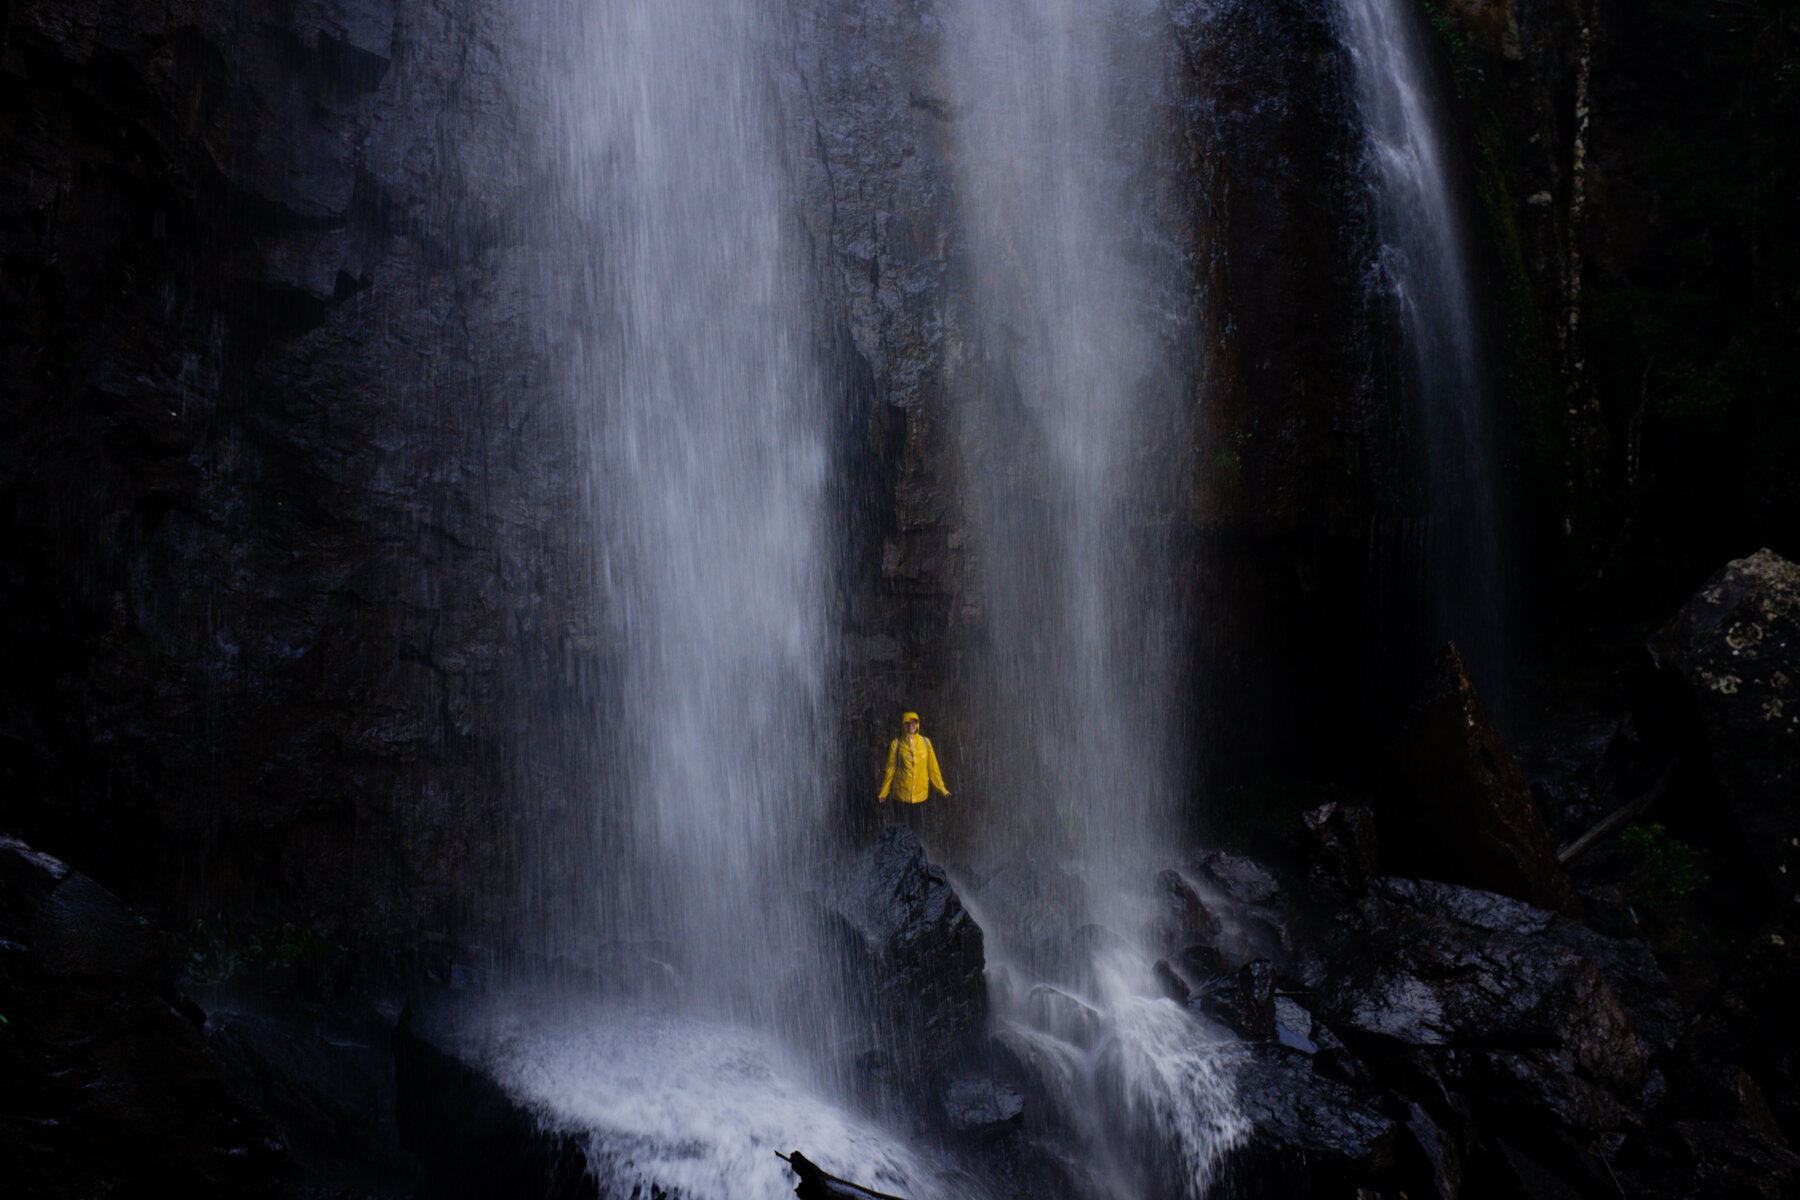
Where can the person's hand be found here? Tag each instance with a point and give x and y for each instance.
(881, 799)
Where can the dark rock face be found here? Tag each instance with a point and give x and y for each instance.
(292, 530)
(1343, 850)
(982, 1106)
(1736, 645)
(1246, 1002)
(1186, 919)
(325, 1078)
(473, 1138)
(1281, 519)
(1312, 1135)
(913, 951)
(1460, 809)
(108, 1084)
(1440, 1040)
(283, 497)
(1430, 964)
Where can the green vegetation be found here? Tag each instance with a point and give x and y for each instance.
(1663, 868)
(1666, 439)
(1271, 805)
(214, 951)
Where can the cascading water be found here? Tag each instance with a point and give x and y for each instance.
(707, 442)
(1073, 406)
(682, 310)
(1423, 275)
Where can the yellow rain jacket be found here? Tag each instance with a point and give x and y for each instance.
(912, 770)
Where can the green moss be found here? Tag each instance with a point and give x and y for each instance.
(1462, 58)
(1663, 869)
(206, 952)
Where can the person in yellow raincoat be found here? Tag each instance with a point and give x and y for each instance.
(912, 771)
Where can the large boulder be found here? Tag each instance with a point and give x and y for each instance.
(107, 1084)
(1459, 809)
(1343, 850)
(1420, 963)
(472, 1135)
(913, 951)
(1736, 647)
(1309, 1135)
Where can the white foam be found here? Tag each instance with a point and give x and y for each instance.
(693, 1106)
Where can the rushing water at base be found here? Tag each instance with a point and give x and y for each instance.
(1424, 272)
(1077, 432)
(691, 1106)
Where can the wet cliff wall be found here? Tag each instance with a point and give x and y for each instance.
(294, 546)
(1635, 163)
(284, 493)
(1290, 450)
(299, 619)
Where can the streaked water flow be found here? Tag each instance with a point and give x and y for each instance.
(689, 360)
(1076, 417)
(1424, 271)
(690, 365)
(707, 444)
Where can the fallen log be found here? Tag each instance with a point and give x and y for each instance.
(818, 1184)
(1616, 820)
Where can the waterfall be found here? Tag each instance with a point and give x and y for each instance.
(1076, 412)
(680, 310)
(1422, 274)
(707, 446)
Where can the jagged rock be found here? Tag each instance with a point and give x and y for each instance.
(1247, 1002)
(1250, 914)
(1439, 1150)
(1334, 1060)
(1583, 765)
(982, 1106)
(1294, 1026)
(1459, 808)
(1185, 918)
(1431, 964)
(1173, 986)
(107, 1082)
(1243, 879)
(473, 1138)
(1736, 645)
(1547, 1085)
(1203, 964)
(1309, 1135)
(1255, 1008)
(1632, 972)
(915, 950)
(1343, 850)
(325, 1077)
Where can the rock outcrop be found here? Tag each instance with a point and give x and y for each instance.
(472, 1136)
(913, 955)
(1445, 1035)
(1430, 964)
(286, 500)
(1736, 647)
(108, 1085)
